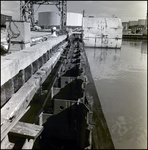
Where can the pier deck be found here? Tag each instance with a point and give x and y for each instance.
(38, 34)
(28, 69)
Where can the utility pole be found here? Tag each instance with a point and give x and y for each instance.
(83, 13)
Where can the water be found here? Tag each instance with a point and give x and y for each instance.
(120, 78)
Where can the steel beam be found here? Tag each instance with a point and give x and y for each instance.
(27, 7)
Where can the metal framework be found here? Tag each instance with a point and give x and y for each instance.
(27, 6)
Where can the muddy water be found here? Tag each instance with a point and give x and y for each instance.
(120, 78)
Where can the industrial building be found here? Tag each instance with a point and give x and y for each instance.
(137, 26)
(48, 20)
(141, 22)
(145, 28)
(52, 19)
(125, 27)
(141, 25)
(134, 27)
(133, 23)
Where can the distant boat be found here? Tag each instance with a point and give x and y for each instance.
(102, 32)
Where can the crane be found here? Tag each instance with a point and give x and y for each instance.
(27, 7)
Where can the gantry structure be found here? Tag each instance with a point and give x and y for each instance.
(27, 6)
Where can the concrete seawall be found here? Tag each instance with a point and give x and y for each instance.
(101, 138)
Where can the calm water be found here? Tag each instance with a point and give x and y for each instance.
(120, 78)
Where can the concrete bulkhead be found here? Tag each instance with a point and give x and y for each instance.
(74, 19)
(102, 32)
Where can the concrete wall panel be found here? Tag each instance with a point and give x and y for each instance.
(74, 19)
(99, 31)
(20, 29)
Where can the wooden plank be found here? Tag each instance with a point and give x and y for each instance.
(28, 144)
(14, 108)
(22, 129)
(43, 117)
(5, 144)
(13, 63)
(8, 125)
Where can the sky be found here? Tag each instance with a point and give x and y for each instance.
(125, 10)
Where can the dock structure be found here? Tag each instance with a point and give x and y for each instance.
(23, 73)
(47, 86)
(134, 36)
(58, 63)
(32, 81)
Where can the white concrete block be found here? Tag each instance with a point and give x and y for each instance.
(103, 42)
(100, 32)
(20, 30)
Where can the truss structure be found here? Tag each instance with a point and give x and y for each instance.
(27, 6)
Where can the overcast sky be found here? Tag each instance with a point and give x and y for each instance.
(126, 10)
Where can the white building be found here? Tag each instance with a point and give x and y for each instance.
(51, 19)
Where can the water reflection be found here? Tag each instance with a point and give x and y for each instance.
(100, 57)
(144, 47)
(130, 129)
(105, 54)
(120, 77)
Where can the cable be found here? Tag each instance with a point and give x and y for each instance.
(37, 8)
(14, 35)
